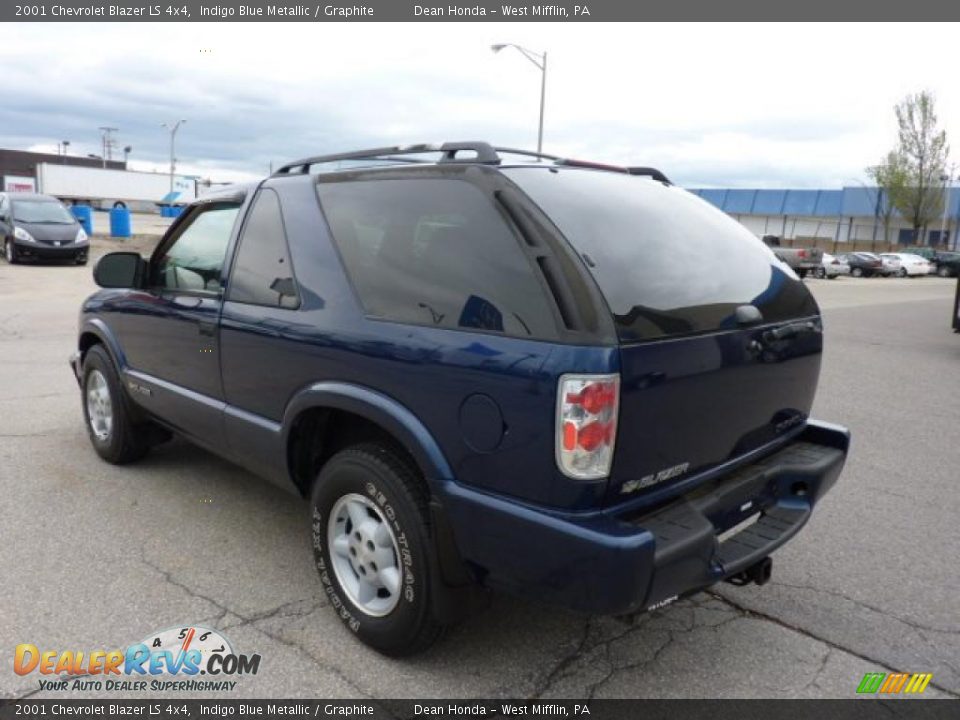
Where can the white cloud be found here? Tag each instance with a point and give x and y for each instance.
(715, 104)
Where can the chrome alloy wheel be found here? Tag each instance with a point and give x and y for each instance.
(364, 554)
(99, 405)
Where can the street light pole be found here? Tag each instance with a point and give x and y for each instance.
(173, 138)
(540, 60)
(947, 179)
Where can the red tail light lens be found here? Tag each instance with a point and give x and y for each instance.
(587, 407)
(801, 253)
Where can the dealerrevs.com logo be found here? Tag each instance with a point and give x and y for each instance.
(170, 660)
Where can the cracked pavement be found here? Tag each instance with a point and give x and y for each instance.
(96, 557)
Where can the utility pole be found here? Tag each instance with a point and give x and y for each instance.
(108, 143)
(173, 127)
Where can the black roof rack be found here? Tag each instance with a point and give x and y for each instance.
(483, 153)
(650, 172)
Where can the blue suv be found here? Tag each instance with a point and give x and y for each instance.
(485, 368)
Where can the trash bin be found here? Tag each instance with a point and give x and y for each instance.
(120, 221)
(84, 215)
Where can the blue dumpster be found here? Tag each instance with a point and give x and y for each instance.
(120, 222)
(84, 215)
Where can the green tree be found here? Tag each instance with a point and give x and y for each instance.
(923, 150)
(891, 179)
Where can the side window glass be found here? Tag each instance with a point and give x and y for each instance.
(195, 259)
(262, 273)
(432, 251)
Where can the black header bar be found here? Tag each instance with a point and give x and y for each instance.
(857, 13)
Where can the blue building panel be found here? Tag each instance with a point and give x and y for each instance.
(800, 202)
(829, 203)
(859, 201)
(739, 202)
(714, 197)
(851, 201)
(769, 202)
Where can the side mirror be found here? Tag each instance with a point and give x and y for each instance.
(120, 270)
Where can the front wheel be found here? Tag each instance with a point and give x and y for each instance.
(857, 272)
(943, 271)
(10, 252)
(820, 273)
(902, 273)
(110, 426)
(371, 543)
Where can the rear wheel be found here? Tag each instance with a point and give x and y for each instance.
(802, 274)
(10, 252)
(943, 271)
(902, 273)
(371, 543)
(820, 273)
(110, 426)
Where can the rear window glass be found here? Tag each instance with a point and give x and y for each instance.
(667, 262)
(433, 251)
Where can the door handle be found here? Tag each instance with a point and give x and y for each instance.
(207, 329)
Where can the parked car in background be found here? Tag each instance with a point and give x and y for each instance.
(39, 227)
(948, 264)
(863, 264)
(471, 385)
(910, 265)
(891, 264)
(832, 266)
(801, 260)
(945, 262)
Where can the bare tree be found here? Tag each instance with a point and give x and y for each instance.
(923, 150)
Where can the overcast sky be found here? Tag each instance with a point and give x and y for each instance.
(792, 105)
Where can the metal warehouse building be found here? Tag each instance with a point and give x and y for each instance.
(851, 215)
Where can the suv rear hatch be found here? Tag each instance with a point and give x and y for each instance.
(719, 341)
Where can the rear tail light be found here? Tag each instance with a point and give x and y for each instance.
(801, 253)
(587, 407)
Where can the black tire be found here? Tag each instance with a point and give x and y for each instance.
(943, 271)
(832, 277)
(381, 476)
(902, 273)
(820, 273)
(125, 441)
(802, 274)
(10, 252)
(857, 272)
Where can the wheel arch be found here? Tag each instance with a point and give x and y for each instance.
(364, 414)
(93, 332)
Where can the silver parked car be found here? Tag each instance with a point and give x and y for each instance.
(832, 266)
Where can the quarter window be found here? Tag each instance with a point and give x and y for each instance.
(262, 273)
(195, 259)
(436, 252)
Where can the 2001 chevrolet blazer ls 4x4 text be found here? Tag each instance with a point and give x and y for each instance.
(552, 377)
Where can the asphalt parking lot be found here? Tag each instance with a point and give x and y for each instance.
(96, 557)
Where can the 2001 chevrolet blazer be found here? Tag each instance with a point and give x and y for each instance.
(557, 378)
